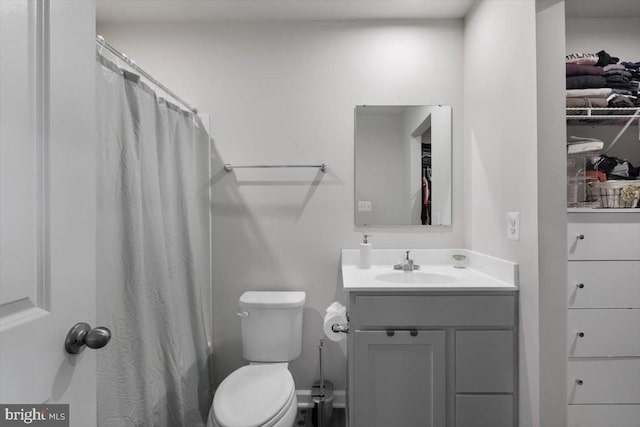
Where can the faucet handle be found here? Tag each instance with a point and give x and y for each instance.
(407, 255)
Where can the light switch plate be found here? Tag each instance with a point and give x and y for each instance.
(513, 225)
(364, 206)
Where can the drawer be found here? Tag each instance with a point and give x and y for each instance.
(604, 415)
(612, 381)
(607, 236)
(604, 284)
(607, 333)
(484, 362)
(384, 311)
(484, 411)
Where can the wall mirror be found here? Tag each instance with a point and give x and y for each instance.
(402, 165)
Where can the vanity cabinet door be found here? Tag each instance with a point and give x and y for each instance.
(399, 379)
(484, 362)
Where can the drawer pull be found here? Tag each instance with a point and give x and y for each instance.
(413, 332)
(390, 333)
(580, 236)
(579, 382)
(581, 334)
(580, 285)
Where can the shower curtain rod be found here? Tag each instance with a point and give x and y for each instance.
(100, 41)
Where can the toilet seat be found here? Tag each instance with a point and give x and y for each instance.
(254, 396)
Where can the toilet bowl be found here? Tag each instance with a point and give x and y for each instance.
(260, 395)
(263, 393)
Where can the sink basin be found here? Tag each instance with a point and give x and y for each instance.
(415, 277)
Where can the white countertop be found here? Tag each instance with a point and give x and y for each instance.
(483, 273)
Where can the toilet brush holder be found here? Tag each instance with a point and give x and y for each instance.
(322, 404)
(322, 396)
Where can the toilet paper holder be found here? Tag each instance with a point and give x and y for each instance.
(340, 327)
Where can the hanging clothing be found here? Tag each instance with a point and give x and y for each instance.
(425, 212)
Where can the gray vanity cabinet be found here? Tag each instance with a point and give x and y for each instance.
(438, 359)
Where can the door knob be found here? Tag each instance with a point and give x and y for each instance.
(81, 334)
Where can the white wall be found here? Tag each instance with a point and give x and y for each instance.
(285, 93)
(617, 36)
(552, 217)
(501, 160)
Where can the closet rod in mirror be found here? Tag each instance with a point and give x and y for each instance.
(229, 167)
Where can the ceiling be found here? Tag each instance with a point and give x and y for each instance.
(130, 11)
(602, 8)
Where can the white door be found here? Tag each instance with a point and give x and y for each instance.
(47, 202)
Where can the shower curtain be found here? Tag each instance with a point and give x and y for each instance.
(154, 372)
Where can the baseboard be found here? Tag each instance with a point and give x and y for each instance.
(305, 401)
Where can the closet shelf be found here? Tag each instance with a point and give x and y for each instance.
(589, 115)
(602, 210)
(624, 117)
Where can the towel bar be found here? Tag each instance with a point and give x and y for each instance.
(229, 167)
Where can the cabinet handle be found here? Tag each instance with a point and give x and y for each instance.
(390, 332)
(581, 334)
(579, 382)
(413, 332)
(580, 236)
(580, 285)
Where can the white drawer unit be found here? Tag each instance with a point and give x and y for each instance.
(602, 415)
(603, 284)
(603, 381)
(603, 336)
(604, 333)
(604, 236)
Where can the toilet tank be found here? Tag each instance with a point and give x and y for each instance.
(271, 325)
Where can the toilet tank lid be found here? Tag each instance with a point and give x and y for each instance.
(279, 299)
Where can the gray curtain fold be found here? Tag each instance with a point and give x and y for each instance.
(154, 372)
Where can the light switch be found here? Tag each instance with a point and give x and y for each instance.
(513, 225)
(364, 206)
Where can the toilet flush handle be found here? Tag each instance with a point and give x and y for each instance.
(243, 314)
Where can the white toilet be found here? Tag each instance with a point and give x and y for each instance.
(263, 394)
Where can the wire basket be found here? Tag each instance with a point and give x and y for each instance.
(615, 194)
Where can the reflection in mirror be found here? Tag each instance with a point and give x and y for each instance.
(403, 165)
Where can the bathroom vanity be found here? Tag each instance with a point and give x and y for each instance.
(434, 347)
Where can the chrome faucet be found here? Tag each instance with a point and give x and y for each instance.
(407, 264)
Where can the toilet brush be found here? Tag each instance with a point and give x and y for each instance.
(322, 395)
